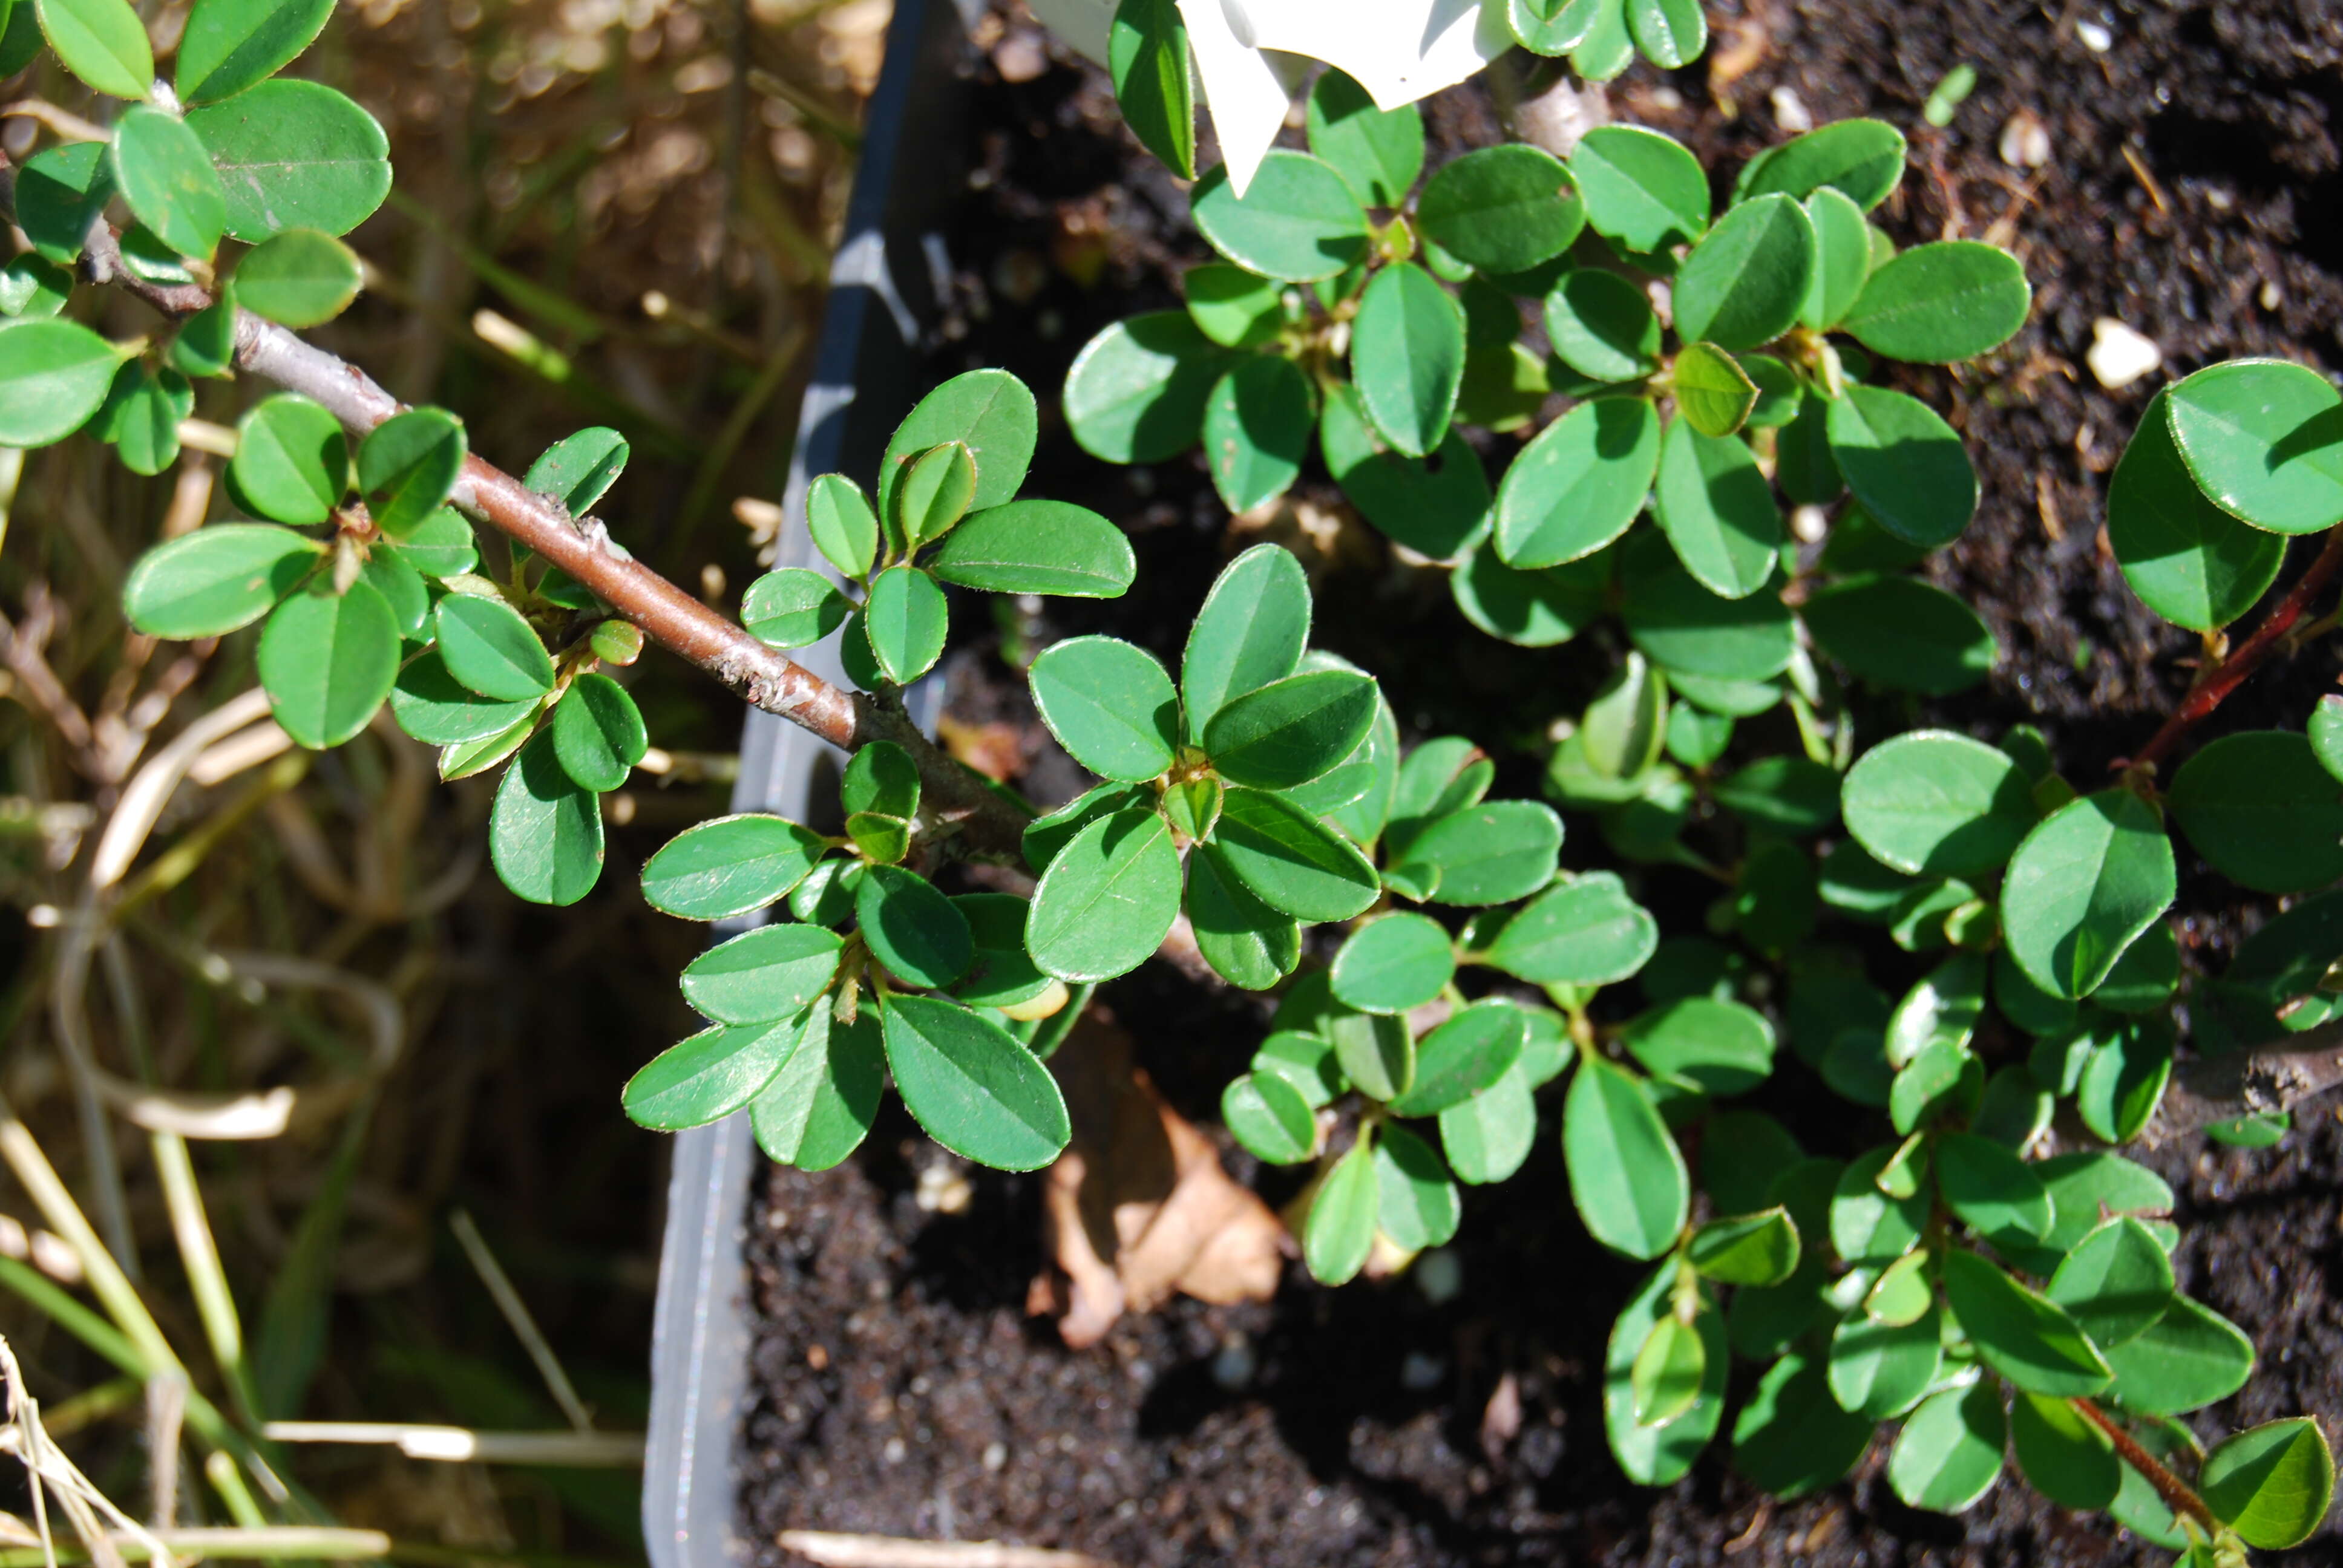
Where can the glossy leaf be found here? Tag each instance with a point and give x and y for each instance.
(545, 831)
(1250, 632)
(2272, 1484)
(2263, 438)
(1137, 391)
(1490, 853)
(2187, 1358)
(1877, 1367)
(1407, 357)
(298, 278)
(1435, 506)
(2063, 1455)
(229, 45)
(843, 526)
(1862, 158)
(1669, 33)
(2189, 560)
(1341, 1228)
(729, 866)
(1257, 425)
(1667, 1373)
(292, 461)
(1643, 189)
(1904, 464)
(165, 177)
(1627, 1179)
(327, 661)
(1682, 627)
(1989, 1188)
(1868, 1225)
(1743, 283)
(1903, 634)
(1533, 608)
(1936, 304)
(1759, 1249)
(1586, 932)
(2114, 1282)
(1578, 484)
(598, 732)
(1416, 1205)
(710, 1076)
(1270, 1118)
(1488, 1137)
(1715, 506)
(2019, 1335)
(1842, 259)
(54, 375)
(1380, 152)
(1103, 906)
(408, 465)
(795, 606)
(1790, 1437)
(1282, 856)
(1394, 963)
(491, 650)
(60, 191)
(1233, 307)
(820, 1105)
(1249, 944)
(1502, 209)
(219, 577)
(2123, 1080)
(1602, 326)
(1149, 59)
(103, 42)
(1948, 1454)
(2259, 806)
(919, 934)
(1713, 393)
(1724, 1047)
(1297, 220)
(905, 619)
(1933, 802)
(972, 1087)
(2082, 886)
(1464, 1056)
(991, 413)
(294, 154)
(1109, 704)
(1657, 1455)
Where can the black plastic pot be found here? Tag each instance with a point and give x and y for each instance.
(883, 289)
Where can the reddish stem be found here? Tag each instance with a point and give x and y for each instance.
(2176, 1493)
(2249, 657)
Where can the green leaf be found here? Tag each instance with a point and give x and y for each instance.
(491, 650)
(881, 777)
(54, 375)
(2086, 1187)
(298, 278)
(1248, 943)
(20, 38)
(294, 154)
(844, 528)
(1934, 803)
(1602, 326)
(905, 619)
(2190, 1357)
(710, 1076)
(2272, 1484)
(1877, 1367)
(1760, 1249)
(1037, 546)
(578, 469)
(1488, 1137)
(1002, 974)
(1714, 503)
(1842, 259)
(1803, 464)
(1937, 304)
(935, 493)
(1862, 158)
(1250, 632)
(1585, 933)
(1948, 1454)
(1462, 1057)
(1683, 628)
(1713, 394)
(1627, 1178)
(1417, 1206)
(1339, 1230)
(60, 192)
(917, 933)
(1435, 506)
(975, 1091)
(2263, 438)
(33, 287)
(1904, 465)
(1394, 963)
(729, 866)
(2189, 560)
(1137, 391)
(1502, 209)
(1407, 357)
(1492, 854)
(292, 461)
(141, 416)
(1743, 283)
(1379, 152)
(1669, 33)
(819, 1108)
(545, 832)
(1103, 906)
(1791, 1438)
(1867, 1225)
(1109, 704)
(598, 732)
(465, 760)
(794, 606)
(1257, 425)
(990, 412)
(2082, 886)
(2123, 1080)
(1989, 1188)
(1903, 634)
(1281, 856)
(210, 582)
(408, 465)
(1793, 795)
(1270, 1118)
(2116, 1283)
(328, 660)
(229, 45)
(1534, 608)
(1148, 58)
(1290, 731)
(2259, 806)
(1233, 307)
(2061, 1454)
(2019, 1335)
(1297, 219)
(773, 972)
(1667, 1373)
(101, 42)
(1723, 1047)
(1657, 1455)
(1644, 190)
(1579, 485)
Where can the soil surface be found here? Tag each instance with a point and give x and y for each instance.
(2195, 192)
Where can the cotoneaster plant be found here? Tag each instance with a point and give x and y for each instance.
(1957, 1281)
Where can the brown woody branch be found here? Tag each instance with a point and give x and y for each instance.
(2275, 1077)
(987, 825)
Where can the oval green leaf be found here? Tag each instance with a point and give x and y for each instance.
(975, 1091)
(2082, 886)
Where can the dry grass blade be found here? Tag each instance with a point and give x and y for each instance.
(462, 1445)
(836, 1551)
(523, 1326)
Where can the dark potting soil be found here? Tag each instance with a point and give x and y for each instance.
(901, 1387)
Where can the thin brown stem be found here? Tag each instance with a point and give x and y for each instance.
(986, 824)
(2273, 1077)
(2178, 1496)
(2249, 657)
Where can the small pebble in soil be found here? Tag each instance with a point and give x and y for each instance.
(2025, 141)
(1790, 112)
(943, 1191)
(2095, 37)
(1439, 1274)
(996, 1454)
(2119, 354)
(1810, 524)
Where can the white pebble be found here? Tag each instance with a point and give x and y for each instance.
(1790, 112)
(2025, 142)
(2120, 356)
(2095, 37)
(1810, 524)
(942, 1190)
(2272, 296)
(996, 1454)
(1439, 1274)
